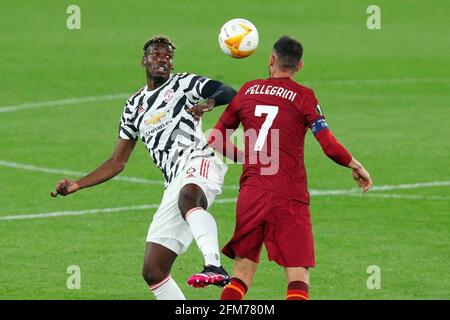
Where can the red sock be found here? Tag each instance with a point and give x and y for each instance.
(235, 290)
(297, 290)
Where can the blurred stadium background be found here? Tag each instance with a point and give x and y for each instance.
(385, 94)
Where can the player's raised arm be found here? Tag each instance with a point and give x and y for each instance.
(106, 171)
(216, 94)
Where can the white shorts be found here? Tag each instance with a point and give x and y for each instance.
(168, 227)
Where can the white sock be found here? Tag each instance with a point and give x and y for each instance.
(167, 290)
(204, 229)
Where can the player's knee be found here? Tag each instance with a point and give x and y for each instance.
(153, 275)
(191, 196)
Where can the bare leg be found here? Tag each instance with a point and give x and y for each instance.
(298, 283)
(297, 274)
(244, 269)
(158, 262)
(243, 273)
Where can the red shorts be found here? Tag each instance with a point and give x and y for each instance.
(281, 223)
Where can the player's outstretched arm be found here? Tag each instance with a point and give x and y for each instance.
(216, 94)
(337, 152)
(106, 171)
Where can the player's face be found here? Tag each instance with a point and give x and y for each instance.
(158, 60)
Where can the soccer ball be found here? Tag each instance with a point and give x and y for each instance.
(238, 38)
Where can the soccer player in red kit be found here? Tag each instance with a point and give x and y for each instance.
(273, 203)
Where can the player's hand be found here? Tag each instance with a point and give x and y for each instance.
(199, 109)
(362, 178)
(360, 175)
(65, 187)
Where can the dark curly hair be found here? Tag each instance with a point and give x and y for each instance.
(159, 39)
(289, 52)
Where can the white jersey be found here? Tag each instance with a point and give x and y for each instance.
(160, 119)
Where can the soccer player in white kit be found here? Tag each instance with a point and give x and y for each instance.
(165, 115)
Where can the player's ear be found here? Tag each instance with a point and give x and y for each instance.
(143, 61)
(300, 65)
(272, 59)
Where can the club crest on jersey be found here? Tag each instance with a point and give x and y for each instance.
(168, 95)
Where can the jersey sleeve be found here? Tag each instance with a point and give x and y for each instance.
(127, 129)
(315, 119)
(219, 138)
(312, 114)
(195, 88)
(333, 148)
(230, 117)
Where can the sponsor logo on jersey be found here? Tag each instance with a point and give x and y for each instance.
(158, 128)
(156, 118)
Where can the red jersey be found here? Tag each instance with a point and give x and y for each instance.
(276, 114)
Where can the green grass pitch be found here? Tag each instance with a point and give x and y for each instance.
(385, 94)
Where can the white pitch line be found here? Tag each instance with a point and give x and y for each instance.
(313, 192)
(63, 102)
(108, 97)
(29, 167)
(398, 196)
(357, 191)
(218, 201)
(380, 188)
(76, 213)
(412, 185)
(65, 172)
(93, 211)
(378, 81)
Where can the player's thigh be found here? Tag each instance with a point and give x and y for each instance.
(288, 236)
(248, 235)
(168, 228)
(206, 173)
(251, 208)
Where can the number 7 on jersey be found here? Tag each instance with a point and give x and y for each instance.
(271, 112)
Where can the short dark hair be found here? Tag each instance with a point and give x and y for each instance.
(288, 51)
(159, 39)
